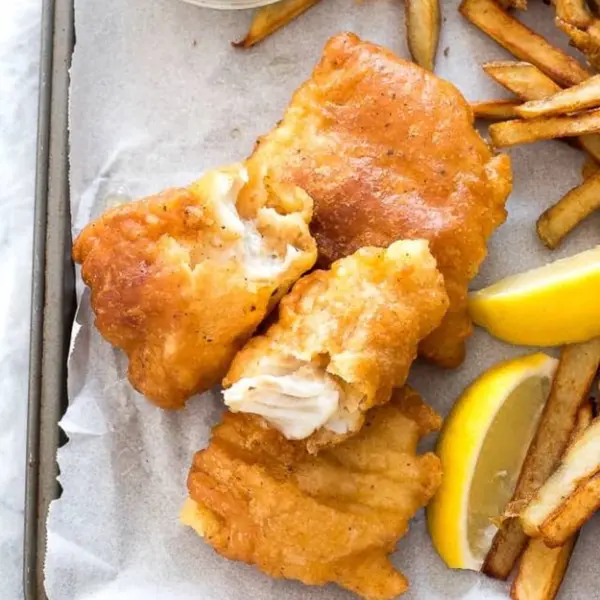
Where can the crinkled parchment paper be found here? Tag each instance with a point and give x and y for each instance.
(158, 96)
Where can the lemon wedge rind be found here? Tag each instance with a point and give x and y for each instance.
(460, 446)
(552, 305)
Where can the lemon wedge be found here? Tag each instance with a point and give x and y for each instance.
(482, 447)
(556, 304)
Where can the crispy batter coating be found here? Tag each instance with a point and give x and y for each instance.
(259, 498)
(388, 151)
(181, 280)
(359, 324)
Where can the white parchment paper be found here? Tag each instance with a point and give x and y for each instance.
(158, 96)
(19, 61)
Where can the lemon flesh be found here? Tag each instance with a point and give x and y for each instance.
(556, 304)
(482, 447)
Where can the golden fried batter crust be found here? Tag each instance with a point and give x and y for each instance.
(180, 280)
(388, 151)
(259, 498)
(361, 322)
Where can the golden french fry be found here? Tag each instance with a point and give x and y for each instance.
(522, 42)
(522, 79)
(585, 40)
(528, 83)
(574, 12)
(574, 512)
(542, 569)
(495, 109)
(571, 495)
(518, 4)
(585, 416)
(574, 375)
(574, 99)
(557, 221)
(590, 167)
(582, 27)
(423, 23)
(515, 132)
(591, 144)
(270, 18)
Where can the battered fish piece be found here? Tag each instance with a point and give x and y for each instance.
(344, 340)
(261, 499)
(388, 151)
(181, 280)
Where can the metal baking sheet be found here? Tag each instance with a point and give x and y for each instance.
(53, 288)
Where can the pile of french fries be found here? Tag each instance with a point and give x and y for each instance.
(423, 23)
(555, 97)
(558, 489)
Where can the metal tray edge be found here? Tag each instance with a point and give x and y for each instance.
(53, 300)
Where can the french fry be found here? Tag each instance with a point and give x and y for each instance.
(590, 167)
(515, 132)
(574, 12)
(585, 416)
(556, 222)
(528, 83)
(270, 18)
(522, 42)
(423, 23)
(518, 4)
(574, 512)
(591, 144)
(582, 27)
(571, 495)
(586, 40)
(542, 569)
(574, 375)
(574, 99)
(522, 79)
(493, 110)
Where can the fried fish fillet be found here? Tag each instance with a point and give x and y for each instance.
(259, 498)
(388, 151)
(180, 280)
(344, 340)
